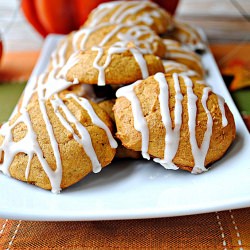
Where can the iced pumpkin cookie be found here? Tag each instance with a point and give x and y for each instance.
(131, 12)
(187, 35)
(175, 67)
(186, 57)
(108, 35)
(174, 120)
(111, 34)
(170, 43)
(113, 65)
(57, 142)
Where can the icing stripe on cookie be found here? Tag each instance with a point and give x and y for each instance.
(123, 11)
(221, 103)
(138, 56)
(199, 154)
(84, 139)
(30, 146)
(140, 122)
(94, 117)
(172, 136)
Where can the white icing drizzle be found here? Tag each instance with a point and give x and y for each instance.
(30, 146)
(136, 34)
(101, 69)
(221, 103)
(117, 50)
(52, 80)
(189, 35)
(172, 136)
(172, 65)
(178, 53)
(101, 11)
(53, 142)
(170, 43)
(140, 123)
(120, 13)
(84, 34)
(141, 62)
(73, 60)
(140, 35)
(123, 11)
(146, 17)
(94, 118)
(85, 139)
(199, 154)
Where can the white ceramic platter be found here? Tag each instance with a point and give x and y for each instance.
(131, 189)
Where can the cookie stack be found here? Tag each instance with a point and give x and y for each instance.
(128, 83)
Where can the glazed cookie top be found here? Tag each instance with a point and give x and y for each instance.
(107, 35)
(170, 43)
(113, 65)
(186, 57)
(48, 83)
(54, 143)
(131, 12)
(188, 35)
(175, 67)
(174, 120)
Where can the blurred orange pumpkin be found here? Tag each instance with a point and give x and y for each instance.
(63, 16)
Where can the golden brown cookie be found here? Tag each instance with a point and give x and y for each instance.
(121, 151)
(175, 67)
(56, 143)
(174, 120)
(170, 43)
(131, 12)
(186, 57)
(108, 35)
(187, 35)
(107, 106)
(112, 65)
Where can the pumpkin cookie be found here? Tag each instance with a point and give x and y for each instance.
(107, 105)
(174, 120)
(121, 151)
(170, 43)
(175, 67)
(57, 142)
(114, 65)
(188, 36)
(108, 35)
(131, 12)
(186, 57)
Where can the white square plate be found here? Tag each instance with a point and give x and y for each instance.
(130, 189)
